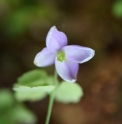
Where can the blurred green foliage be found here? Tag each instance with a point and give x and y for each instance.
(12, 112)
(20, 20)
(36, 85)
(117, 8)
(6, 100)
(22, 114)
(22, 14)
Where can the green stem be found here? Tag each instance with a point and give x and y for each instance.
(51, 100)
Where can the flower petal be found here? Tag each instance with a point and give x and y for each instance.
(44, 58)
(55, 39)
(78, 54)
(67, 70)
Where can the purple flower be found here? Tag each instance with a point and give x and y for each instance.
(66, 58)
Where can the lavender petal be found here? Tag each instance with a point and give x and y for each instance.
(67, 70)
(55, 39)
(78, 54)
(44, 58)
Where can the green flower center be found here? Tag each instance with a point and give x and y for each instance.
(61, 56)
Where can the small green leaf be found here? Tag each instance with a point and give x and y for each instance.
(33, 78)
(33, 85)
(22, 115)
(24, 93)
(69, 93)
(30, 96)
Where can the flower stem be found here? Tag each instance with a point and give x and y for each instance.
(51, 100)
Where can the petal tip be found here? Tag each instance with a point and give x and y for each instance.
(92, 53)
(54, 27)
(71, 81)
(36, 62)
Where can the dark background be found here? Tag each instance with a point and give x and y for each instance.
(93, 23)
